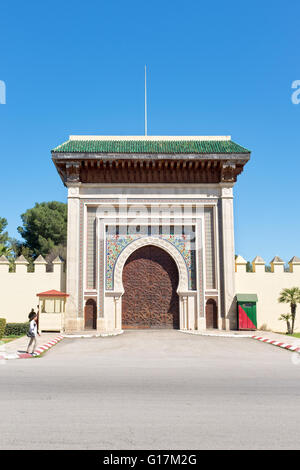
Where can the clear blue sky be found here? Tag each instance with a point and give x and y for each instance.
(214, 68)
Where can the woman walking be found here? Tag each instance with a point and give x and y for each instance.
(32, 332)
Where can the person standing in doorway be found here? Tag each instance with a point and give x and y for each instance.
(32, 331)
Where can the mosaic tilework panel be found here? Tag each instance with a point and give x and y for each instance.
(115, 244)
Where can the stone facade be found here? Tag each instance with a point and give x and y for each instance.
(199, 278)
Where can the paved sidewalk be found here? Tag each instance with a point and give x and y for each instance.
(276, 336)
(277, 339)
(17, 348)
(243, 333)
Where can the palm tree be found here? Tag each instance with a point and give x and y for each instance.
(286, 317)
(5, 250)
(292, 297)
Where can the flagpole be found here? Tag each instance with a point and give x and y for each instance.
(145, 100)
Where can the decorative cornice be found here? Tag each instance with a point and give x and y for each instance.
(148, 171)
(73, 172)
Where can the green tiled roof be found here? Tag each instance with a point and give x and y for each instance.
(151, 146)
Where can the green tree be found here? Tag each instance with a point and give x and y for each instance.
(4, 238)
(17, 249)
(44, 227)
(58, 251)
(249, 268)
(292, 297)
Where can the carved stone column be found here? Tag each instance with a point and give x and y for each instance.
(72, 276)
(117, 322)
(184, 317)
(228, 284)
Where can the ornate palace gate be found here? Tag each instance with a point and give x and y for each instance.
(170, 193)
(150, 280)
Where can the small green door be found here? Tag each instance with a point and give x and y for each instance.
(246, 311)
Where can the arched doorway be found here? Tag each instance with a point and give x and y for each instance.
(90, 315)
(211, 314)
(150, 280)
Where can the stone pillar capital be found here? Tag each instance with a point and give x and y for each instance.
(227, 191)
(73, 189)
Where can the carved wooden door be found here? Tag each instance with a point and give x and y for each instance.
(90, 315)
(211, 314)
(150, 280)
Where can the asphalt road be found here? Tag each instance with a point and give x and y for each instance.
(152, 390)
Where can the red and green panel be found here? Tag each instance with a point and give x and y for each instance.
(246, 311)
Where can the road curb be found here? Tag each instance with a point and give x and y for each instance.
(215, 335)
(40, 350)
(94, 335)
(279, 344)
